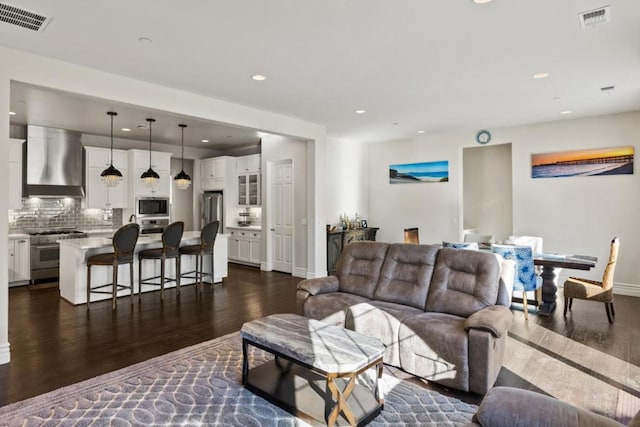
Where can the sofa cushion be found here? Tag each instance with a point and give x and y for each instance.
(463, 282)
(435, 346)
(406, 274)
(331, 308)
(382, 320)
(359, 267)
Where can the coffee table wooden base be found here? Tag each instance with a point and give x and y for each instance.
(317, 396)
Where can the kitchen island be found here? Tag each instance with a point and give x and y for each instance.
(73, 265)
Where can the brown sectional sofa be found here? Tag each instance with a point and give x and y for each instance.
(442, 314)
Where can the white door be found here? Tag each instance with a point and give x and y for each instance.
(282, 219)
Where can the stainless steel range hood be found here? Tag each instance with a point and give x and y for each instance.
(54, 163)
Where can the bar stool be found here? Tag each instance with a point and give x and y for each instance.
(171, 237)
(124, 243)
(207, 241)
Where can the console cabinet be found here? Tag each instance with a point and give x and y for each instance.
(337, 240)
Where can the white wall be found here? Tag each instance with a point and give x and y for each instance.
(41, 71)
(275, 148)
(347, 186)
(487, 190)
(574, 215)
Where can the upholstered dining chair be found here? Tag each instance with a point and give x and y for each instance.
(525, 279)
(593, 290)
(124, 243)
(171, 237)
(411, 235)
(207, 241)
(473, 246)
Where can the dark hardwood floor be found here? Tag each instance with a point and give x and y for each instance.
(54, 344)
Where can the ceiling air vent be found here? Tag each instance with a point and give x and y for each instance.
(595, 17)
(23, 18)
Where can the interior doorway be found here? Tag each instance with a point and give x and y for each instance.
(280, 217)
(487, 190)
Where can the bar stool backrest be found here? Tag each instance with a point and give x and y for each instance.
(208, 235)
(172, 235)
(124, 241)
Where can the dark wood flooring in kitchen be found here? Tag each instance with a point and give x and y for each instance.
(54, 344)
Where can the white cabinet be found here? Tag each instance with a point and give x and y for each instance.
(245, 246)
(15, 174)
(213, 173)
(248, 171)
(248, 164)
(98, 194)
(139, 163)
(19, 259)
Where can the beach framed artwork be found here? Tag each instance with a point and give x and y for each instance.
(413, 173)
(590, 162)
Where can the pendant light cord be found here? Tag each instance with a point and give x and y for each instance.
(111, 139)
(182, 128)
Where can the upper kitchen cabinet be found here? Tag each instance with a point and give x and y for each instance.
(248, 164)
(213, 172)
(15, 173)
(248, 173)
(98, 194)
(139, 163)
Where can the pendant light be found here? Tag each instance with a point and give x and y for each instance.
(111, 176)
(182, 180)
(150, 177)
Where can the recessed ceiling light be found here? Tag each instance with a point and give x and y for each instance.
(258, 77)
(12, 113)
(144, 39)
(540, 75)
(126, 130)
(566, 112)
(481, 1)
(141, 126)
(360, 111)
(204, 140)
(420, 131)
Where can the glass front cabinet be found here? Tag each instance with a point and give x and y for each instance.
(249, 189)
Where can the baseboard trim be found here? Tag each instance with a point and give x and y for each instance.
(5, 356)
(299, 272)
(628, 289)
(311, 275)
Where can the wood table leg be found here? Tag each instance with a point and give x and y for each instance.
(340, 398)
(549, 290)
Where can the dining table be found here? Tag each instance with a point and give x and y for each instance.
(551, 262)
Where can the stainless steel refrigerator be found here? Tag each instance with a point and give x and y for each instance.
(212, 209)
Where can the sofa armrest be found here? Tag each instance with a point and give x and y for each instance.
(320, 285)
(495, 319)
(513, 407)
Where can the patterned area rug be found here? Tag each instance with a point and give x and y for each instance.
(201, 386)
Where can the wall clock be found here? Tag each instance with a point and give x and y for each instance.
(483, 137)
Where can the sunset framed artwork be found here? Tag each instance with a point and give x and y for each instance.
(598, 161)
(413, 173)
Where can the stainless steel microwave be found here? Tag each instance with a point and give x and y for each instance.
(152, 207)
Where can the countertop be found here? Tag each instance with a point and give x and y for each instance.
(249, 227)
(106, 242)
(13, 236)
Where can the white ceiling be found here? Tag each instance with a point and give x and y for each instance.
(432, 65)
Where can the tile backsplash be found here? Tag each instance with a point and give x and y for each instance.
(56, 213)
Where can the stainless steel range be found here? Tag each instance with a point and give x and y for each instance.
(45, 251)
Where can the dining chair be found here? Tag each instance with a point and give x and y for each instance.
(593, 290)
(525, 279)
(205, 247)
(411, 235)
(536, 245)
(124, 243)
(461, 245)
(171, 237)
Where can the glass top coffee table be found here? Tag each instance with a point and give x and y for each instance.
(316, 368)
